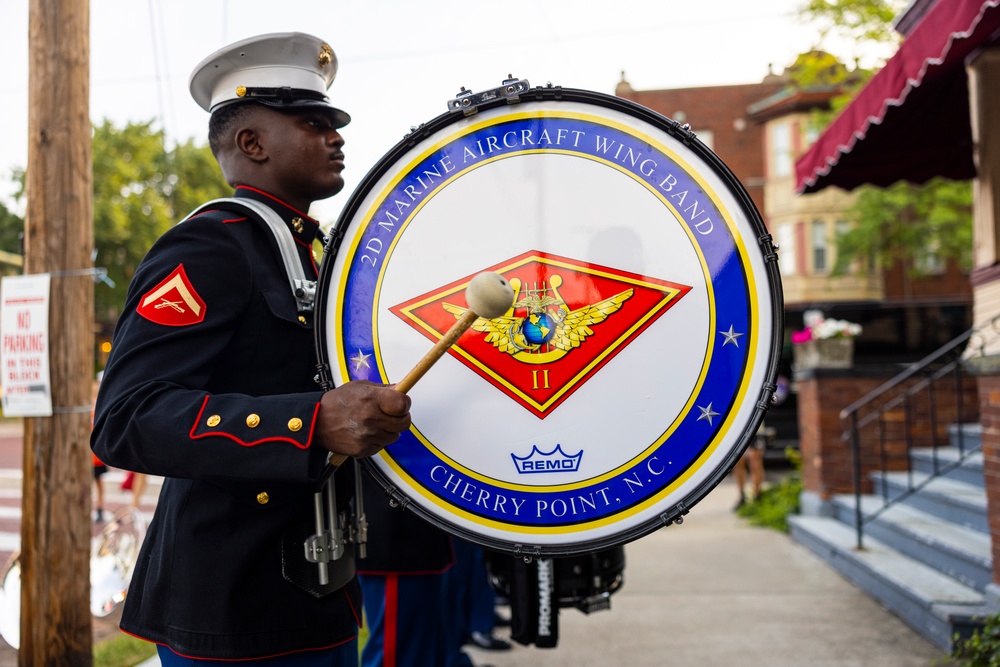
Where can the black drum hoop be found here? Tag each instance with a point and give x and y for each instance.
(762, 240)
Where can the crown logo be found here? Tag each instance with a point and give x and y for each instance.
(555, 461)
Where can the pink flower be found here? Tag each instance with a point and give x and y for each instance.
(803, 336)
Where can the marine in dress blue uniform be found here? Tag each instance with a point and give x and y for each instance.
(410, 623)
(210, 385)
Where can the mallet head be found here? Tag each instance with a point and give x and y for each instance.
(489, 295)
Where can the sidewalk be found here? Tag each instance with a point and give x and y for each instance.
(716, 592)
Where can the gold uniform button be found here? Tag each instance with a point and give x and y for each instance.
(262, 497)
(241, 91)
(302, 319)
(294, 424)
(214, 421)
(253, 421)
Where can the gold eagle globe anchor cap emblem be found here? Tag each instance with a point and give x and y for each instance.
(539, 328)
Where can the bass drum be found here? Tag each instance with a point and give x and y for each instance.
(638, 358)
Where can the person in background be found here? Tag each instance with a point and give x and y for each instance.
(99, 468)
(473, 601)
(752, 459)
(410, 622)
(135, 483)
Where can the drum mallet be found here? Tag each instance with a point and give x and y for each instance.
(489, 295)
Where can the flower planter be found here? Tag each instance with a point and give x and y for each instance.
(824, 353)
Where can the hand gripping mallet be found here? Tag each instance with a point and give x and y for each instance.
(489, 295)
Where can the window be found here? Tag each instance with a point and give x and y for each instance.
(786, 249)
(928, 261)
(841, 227)
(781, 149)
(707, 137)
(812, 134)
(819, 246)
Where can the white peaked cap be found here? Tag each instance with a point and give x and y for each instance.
(281, 70)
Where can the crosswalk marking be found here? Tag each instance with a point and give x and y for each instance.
(10, 483)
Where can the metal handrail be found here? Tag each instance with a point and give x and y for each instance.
(918, 379)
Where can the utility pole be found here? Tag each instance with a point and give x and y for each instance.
(56, 624)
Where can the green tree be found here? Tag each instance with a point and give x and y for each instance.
(11, 230)
(859, 20)
(12, 224)
(918, 225)
(194, 178)
(140, 190)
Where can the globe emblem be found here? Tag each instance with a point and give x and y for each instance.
(537, 328)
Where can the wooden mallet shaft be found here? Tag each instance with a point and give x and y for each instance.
(489, 295)
(450, 337)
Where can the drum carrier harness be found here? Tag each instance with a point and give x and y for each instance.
(334, 530)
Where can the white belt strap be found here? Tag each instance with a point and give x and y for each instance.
(303, 290)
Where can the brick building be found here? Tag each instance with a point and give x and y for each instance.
(719, 116)
(759, 130)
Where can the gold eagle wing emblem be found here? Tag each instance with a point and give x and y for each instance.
(505, 333)
(500, 331)
(575, 327)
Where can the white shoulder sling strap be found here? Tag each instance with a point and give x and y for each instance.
(303, 290)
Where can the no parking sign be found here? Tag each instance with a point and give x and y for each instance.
(24, 345)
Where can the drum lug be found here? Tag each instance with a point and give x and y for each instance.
(323, 377)
(676, 517)
(332, 243)
(397, 499)
(769, 248)
(767, 396)
(469, 102)
(528, 553)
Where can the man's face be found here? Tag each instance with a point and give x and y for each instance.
(305, 153)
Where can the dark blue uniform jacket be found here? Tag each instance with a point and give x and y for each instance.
(210, 385)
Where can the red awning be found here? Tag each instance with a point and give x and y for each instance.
(911, 121)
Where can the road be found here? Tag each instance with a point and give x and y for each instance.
(11, 445)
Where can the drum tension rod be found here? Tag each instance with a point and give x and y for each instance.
(469, 102)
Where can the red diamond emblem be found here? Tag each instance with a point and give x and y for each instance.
(569, 319)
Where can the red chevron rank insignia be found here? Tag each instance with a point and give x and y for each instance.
(174, 302)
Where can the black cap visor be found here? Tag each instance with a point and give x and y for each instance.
(290, 98)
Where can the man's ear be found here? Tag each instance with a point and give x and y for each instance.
(248, 143)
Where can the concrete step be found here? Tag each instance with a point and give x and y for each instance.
(933, 604)
(949, 461)
(966, 437)
(961, 553)
(949, 499)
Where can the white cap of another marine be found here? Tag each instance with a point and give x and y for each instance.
(281, 70)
